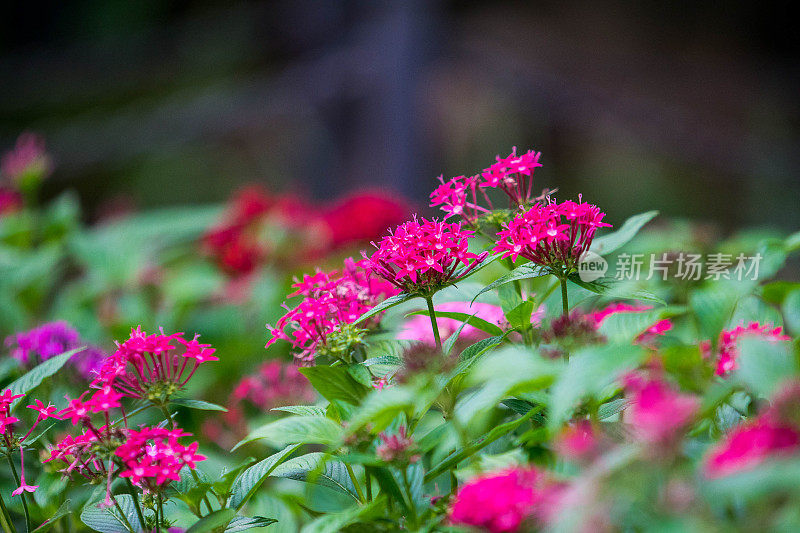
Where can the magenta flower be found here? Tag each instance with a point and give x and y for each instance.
(459, 197)
(330, 302)
(10, 201)
(48, 340)
(577, 441)
(551, 235)
(501, 502)
(727, 350)
(397, 448)
(750, 445)
(153, 457)
(513, 175)
(658, 413)
(423, 256)
(151, 367)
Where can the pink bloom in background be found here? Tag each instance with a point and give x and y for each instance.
(363, 216)
(274, 384)
(152, 366)
(727, 349)
(551, 235)
(646, 337)
(577, 441)
(749, 445)
(424, 255)
(330, 300)
(658, 413)
(48, 340)
(397, 448)
(10, 201)
(500, 502)
(28, 158)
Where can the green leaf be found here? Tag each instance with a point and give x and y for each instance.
(63, 510)
(381, 406)
(773, 478)
(791, 312)
(472, 320)
(616, 291)
(627, 326)
(243, 523)
(197, 404)
(296, 430)
(448, 345)
(525, 271)
(459, 455)
(764, 365)
(218, 520)
(107, 519)
(335, 383)
(249, 481)
(320, 469)
(520, 316)
(384, 305)
(588, 372)
(31, 379)
(383, 360)
(617, 239)
(303, 410)
(712, 309)
(614, 407)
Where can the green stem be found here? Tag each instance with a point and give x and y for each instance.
(434, 325)
(5, 518)
(122, 515)
(24, 499)
(159, 512)
(411, 506)
(368, 483)
(355, 482)
(564, 298)
(135, 496)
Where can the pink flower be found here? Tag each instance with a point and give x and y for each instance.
(274, 384)
(153, 457)
(578, 441)
(10, 201)
(28, 159)
(331, 300)
(551, 235)
(48, 340)
(658, 413)
(45, 411)
(513, 175)
(364, 216)
(422, 256)
(459, 197)
(150, 366)
(727, 350)
(500, 502)
(397, 448)
(749, 445)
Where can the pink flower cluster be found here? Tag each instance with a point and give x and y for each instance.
(48, 340)
(28, 157)
(397, 448)
(646, 337)
(10, 201)
(513, 175)
(774, 433)
(422, 255)
(551, 235)
(578, 441)
(153, 457)
(330, 300)
(150, 367)
(7, 421)
(658, 413)
(727, 350)
(502, 502)
(274, 384)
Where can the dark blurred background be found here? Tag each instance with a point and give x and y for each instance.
(692, 110)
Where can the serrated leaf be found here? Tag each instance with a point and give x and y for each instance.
(303, 410)
(384, 305)
(251, 479)
(243, 523)
(33, 378)
(317, 468)
(525, 271)
(212, 522)
(197, 404)
(612, 242)
(296, 430)
(335, 383)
